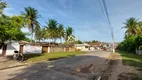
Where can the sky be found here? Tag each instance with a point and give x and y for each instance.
(85, 16)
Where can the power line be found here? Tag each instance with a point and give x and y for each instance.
(105, 11)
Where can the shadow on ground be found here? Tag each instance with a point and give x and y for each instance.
(74, 68)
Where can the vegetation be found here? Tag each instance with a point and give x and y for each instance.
(95, 41)
(131, 59)
(31, 15)
(52, 56)
(133, 36)
(68, 35)
(10, 27)
(78, 42)
(131, 44)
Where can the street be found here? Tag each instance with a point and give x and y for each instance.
(74, 68)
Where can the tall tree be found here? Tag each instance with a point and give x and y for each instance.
(40, 33)
(61, 32)
(52, 29)
(31, 15)
(68, 33)
(11, 28)
(2, 6)
(139, 28)
(130, 25)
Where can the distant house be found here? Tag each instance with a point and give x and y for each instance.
(82, 47)
(95, 46)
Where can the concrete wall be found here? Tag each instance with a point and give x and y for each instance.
(56, 49)
(61, 49)
(11, 47)
(82, 48)
(1, 50)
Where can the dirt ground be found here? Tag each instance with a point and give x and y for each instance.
(117, 71)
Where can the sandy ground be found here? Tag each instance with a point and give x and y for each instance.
(83, 67)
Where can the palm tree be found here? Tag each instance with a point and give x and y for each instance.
(69, 32)
(71, 38)
(61, 31)
(2, 6)
(130, 25)
(139, 28)
(52, 29)
(31, 15)
(38, 32)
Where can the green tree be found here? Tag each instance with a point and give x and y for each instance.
(68, 33)
(11, 28)
(40, 34)
(130, 26)
(94, 41)
(52, 29)
(78, 42)
(31, 15)
(139, 28)
(2, 6)
(61, 32)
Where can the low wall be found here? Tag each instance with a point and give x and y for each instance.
(61, 49)
(56, 49)
(139, 52)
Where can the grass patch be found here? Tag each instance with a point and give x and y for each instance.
(51, 56)
(131, 59)
(139, 77)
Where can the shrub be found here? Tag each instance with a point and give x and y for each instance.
(130, 44)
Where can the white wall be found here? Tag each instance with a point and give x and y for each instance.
(29, 49)
(82, 48)
(11, 47)
(78, 48)
(1, 51)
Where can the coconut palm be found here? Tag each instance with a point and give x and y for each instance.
(69, 32)
(130, 25)
(52, 29)
(2, 6)
(139, 28)
(38, 32)
(71, 38)
(31, 15)
(61, 32)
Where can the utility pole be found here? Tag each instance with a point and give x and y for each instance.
(108, 20)
(113, 44)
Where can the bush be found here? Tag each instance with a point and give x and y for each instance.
(130, 44)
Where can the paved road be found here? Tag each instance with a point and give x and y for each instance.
(75, 68)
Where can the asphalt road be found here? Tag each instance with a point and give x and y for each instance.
(81, 67)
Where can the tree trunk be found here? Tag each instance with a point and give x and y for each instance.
(32, 37)
(54, 40)
(60, 40)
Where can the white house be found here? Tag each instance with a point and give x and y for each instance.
(82, 47)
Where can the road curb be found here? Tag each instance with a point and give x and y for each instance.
(9, 67)
(20, 65)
